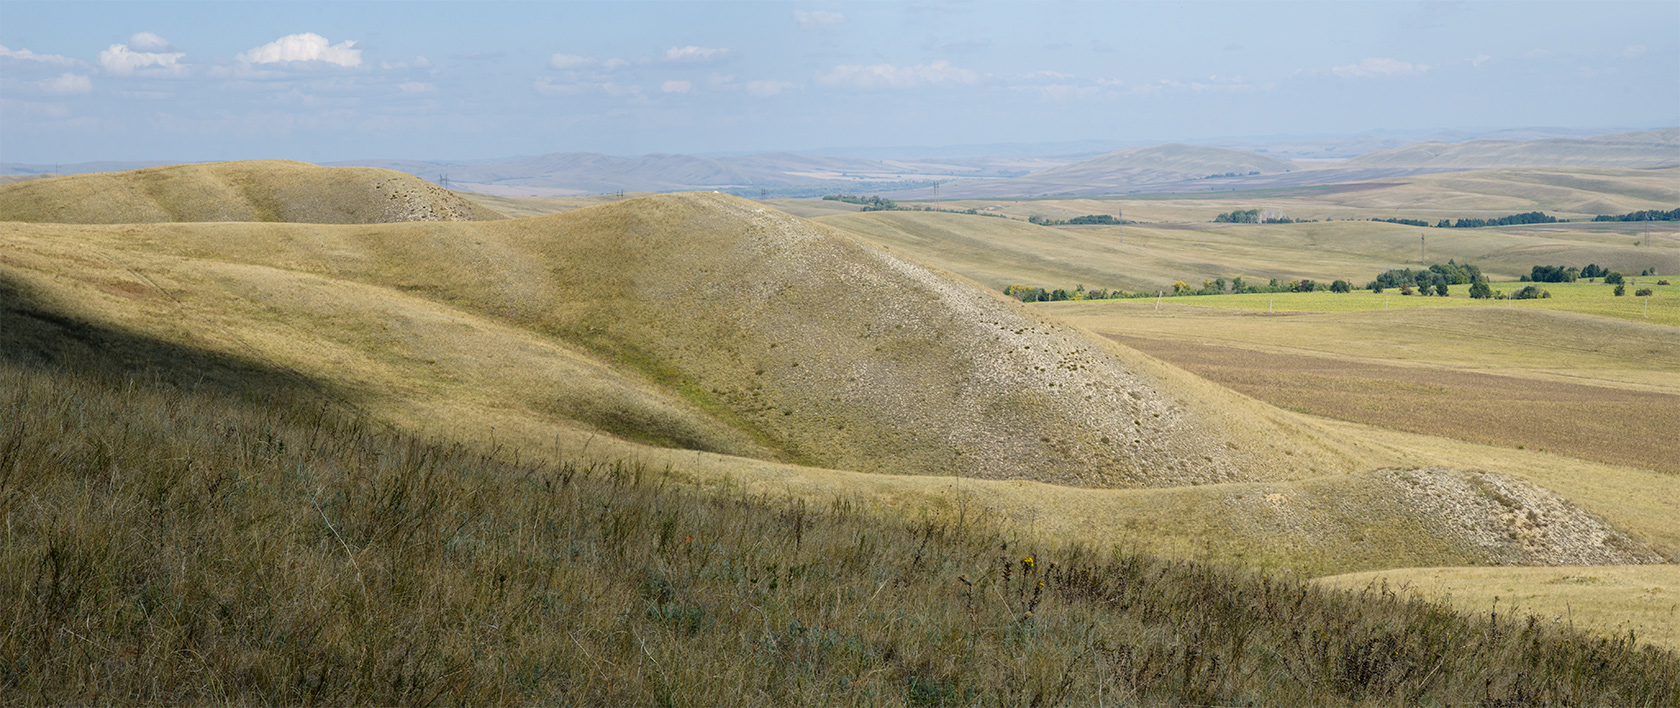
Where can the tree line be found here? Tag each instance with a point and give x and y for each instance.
(1646, 215)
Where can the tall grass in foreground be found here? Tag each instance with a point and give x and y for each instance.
(169, 546)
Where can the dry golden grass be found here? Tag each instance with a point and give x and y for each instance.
(803, 343)
(1605, 600)
(1612, 425)
(168, 542)
(258, 190)
(482, 334)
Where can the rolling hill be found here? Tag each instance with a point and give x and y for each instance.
(1652, 148)
(262, 190)
(749, 349)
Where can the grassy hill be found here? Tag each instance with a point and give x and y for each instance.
(180, 542)
(1653, 148)
(811, 346)
(745, 351)
(262, 190)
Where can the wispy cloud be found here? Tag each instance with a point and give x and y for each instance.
(769, 87)
(149, 42)
(144, 51)
(818, 19)
(416, 87)
(549, 87)
(676, 86)
(1379, 67)
(67, 83)
(26, 55)
(890, 76)
(697, 55)
(306, 47)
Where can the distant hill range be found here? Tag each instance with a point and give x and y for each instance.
(1015, 170)
(1651, 148)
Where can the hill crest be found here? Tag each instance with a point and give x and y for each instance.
(254, 190)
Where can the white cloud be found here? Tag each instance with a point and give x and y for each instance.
(571, 61)
(819, 19)
(676, 87)
(878, 75)
(1479, 60)
(417, 87)
(769, 87)
(1632, 50)
(121, 60)
(549, 87)
(148, 42)
(305, 47)
(67, 83)
(26, 55)
(578, 62)
(1379, 67)
(696, 55)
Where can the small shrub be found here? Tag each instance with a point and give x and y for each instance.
(1621, 290)
(1642, 292)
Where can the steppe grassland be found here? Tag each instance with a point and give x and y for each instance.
(174, 544)
(1644, 599)
(1575, 194)
(1150, 258)
(427, 366)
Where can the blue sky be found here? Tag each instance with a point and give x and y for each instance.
(83, 81)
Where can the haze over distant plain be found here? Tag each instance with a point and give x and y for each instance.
(461, 81)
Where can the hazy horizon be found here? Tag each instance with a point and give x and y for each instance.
(84, 82)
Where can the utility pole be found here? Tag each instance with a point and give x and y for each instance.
(1423, 243)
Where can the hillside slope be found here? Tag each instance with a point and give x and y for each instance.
(258, 190)
(1651, 148)
(801, 340)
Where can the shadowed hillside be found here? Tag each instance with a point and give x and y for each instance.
(259, 190)
(741, 330)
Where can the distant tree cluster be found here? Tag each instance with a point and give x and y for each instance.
(1530, 292)
(1552, 274)
(1646, 215)
(1532, 217)
(870, 203)
(1026, 293)
(1253, 216)
(1231, 174)
(1404, 222)
(1097, 219)
(1436, 276)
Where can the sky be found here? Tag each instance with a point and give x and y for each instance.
(187, 81)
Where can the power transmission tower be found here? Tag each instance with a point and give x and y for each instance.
(1423, 244)
(444, 178)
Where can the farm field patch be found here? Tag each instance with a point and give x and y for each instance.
(1610, 425)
